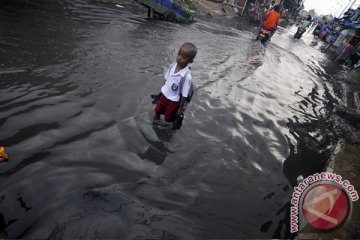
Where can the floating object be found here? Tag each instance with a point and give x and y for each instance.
(119, 6)
(3, 155)
(299, 179)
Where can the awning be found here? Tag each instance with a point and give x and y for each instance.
(352, 24)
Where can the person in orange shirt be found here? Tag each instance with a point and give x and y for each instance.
(272, 19)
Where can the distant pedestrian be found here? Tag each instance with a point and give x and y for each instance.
(284, 13)
(271, 6)
(333, 39)
(344, 50)
(324, 29)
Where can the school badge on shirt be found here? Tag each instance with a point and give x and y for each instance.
(174, 87)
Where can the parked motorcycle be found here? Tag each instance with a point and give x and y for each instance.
(264, 35)
(299, 33)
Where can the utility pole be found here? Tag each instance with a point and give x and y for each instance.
(348, 6)
(352, 3)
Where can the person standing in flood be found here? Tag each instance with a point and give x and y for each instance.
(178, 85)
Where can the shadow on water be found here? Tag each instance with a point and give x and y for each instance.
(157, 151)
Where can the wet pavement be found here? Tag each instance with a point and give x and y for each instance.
(85, 160)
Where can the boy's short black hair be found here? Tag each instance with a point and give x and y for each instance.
(191, 49)
(277, 8)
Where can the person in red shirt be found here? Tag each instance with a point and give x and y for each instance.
(272, 19)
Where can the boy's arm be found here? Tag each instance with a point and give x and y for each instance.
(185, 92)
(182, 103)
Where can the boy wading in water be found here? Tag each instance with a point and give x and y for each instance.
(177, 87)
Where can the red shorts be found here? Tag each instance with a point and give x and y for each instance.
(167, 107)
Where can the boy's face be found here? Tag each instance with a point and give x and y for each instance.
(183, 58)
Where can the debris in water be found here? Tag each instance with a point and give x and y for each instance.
(299, 179)
(120, 6)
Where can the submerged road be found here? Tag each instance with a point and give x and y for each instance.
(85, 160)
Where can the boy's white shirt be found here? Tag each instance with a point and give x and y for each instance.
(171, 88)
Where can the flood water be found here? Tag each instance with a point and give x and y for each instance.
(85, 160)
